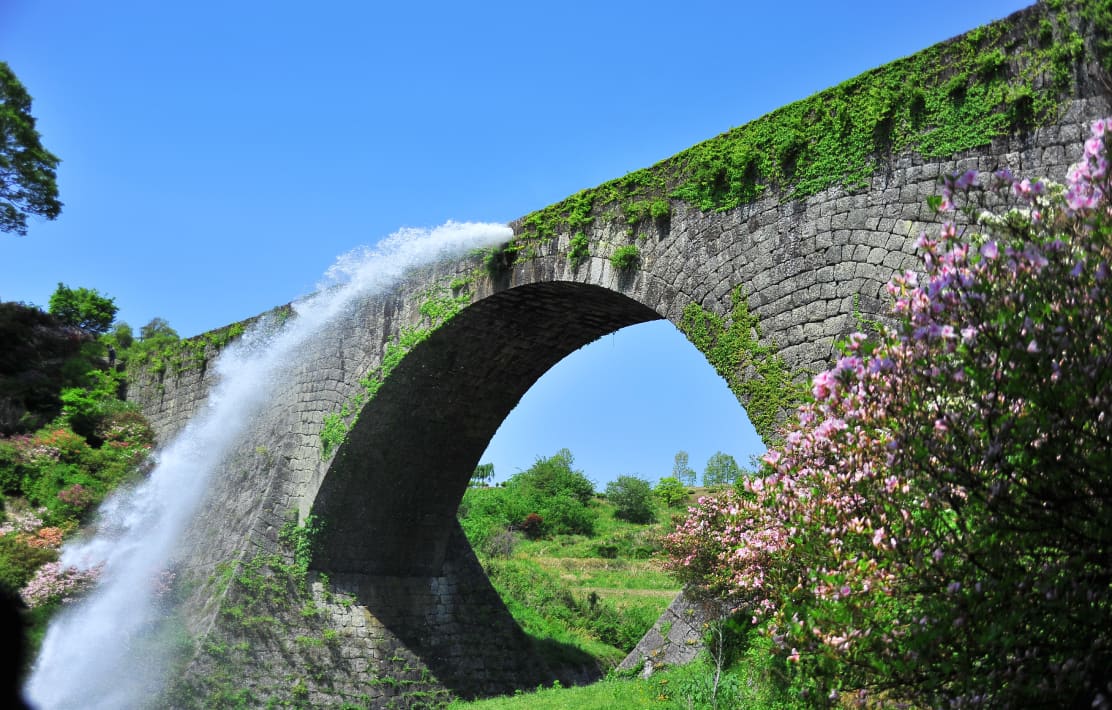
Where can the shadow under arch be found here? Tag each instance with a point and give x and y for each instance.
(390, 496)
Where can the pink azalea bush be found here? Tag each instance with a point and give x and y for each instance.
(53, 582)
(937, 525)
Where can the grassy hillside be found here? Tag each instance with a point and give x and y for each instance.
(586, 583)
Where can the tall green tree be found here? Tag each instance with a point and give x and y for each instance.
(82, 307)
(721, 469)
(27, 170)
(157, 327)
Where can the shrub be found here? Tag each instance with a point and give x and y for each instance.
(671, 491)
(19, 560)
(625, 257)
(500, 260)
(554, 491)
(553, 476)
(952, 545)
(52, 583)
(633, 498)
(500, 544)
(11, 468)
(532, 526)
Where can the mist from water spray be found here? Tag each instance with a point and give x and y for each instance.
(95, 654)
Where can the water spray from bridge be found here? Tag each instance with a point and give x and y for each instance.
(95, 654)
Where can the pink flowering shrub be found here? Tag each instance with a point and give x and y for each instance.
(77, 497)
(937, 525)
(53, 582)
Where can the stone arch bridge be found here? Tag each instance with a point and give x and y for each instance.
(404, 609)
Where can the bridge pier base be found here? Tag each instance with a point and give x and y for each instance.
(367, 640)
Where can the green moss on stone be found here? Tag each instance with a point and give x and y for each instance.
(754, 372)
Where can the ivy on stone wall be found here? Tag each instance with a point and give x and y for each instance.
(1001, 79)
(441, 304)
(178, 356)
(268, 604)
(754, 371)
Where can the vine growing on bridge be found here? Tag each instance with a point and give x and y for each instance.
(753, 371)
(440, 305)
(1002, 79)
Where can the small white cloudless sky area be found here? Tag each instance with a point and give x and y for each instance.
(218, 157)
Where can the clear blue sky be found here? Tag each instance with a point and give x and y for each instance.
(218, 156)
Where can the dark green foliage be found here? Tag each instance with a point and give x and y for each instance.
(11, 469)
(551, 489)
(625, 257)
(18, 562)
(721, 469)
(671, 491)
(553, 476)
(500, 260)
(1098, 14)
(39, 357)
(121, 336)
(84, 308)
(633, 498)
(27, 170)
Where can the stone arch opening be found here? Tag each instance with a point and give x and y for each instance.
(624, 405)
(391, 494)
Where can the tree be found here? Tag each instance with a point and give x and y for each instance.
(555, 492)
(633, 498)
(483, 474)
(682, 471)
(27, 170)
(84, 308)
(123, 335)
(722, 469)
(935, 525)
(157, 327)
(671, 491)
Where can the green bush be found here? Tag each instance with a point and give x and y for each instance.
(633, 498)
(18, 562)
(671, 491)
(11, 469)
(551, 489)
(564, 514)
(625, 257)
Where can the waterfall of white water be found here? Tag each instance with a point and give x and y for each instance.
(87, 659)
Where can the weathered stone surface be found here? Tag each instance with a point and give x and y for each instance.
(676, 638)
